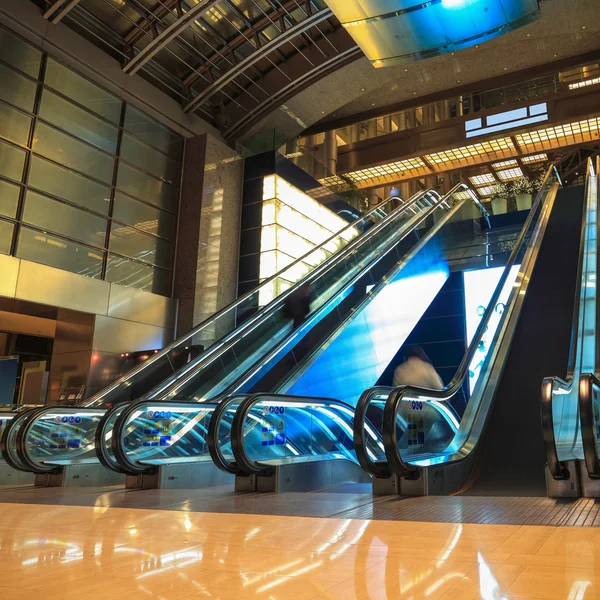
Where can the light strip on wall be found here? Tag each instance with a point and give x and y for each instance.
(292, 224)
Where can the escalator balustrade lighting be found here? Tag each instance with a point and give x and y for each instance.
(399, 31)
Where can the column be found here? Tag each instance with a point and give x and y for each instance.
(331, 152)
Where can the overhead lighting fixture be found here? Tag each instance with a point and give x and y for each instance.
(584, 83)
(560, 135)
(506, 164)
(464, 156)
(485, 179)
(510, 174)
(534, 158)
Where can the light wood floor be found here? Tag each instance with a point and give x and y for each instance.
(80, 552)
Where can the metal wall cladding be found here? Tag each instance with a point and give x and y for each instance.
(395, 31)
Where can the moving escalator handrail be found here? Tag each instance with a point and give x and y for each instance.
(214, 427)
(395, 462)
(173, 384)
(589, 383)
(244, 464)
(127, 464)
(125, 379)
(104, 431)
(289, 341)
(8, 445)
(189, 372)
(557, 468)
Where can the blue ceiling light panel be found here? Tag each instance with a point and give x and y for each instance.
(397, 31)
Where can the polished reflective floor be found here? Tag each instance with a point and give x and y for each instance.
(54, 551)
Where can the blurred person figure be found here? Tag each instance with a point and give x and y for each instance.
(417, 370)
(297, 304)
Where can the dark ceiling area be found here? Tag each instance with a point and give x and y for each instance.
(230, 61)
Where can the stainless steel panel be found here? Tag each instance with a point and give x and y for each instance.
(142, 307)
(568, 488)
(74, 331)
(117, 335)
(47, 285)
(181, 476)
(311, 475)
(11, 477)
(9, 273)
(83, 475)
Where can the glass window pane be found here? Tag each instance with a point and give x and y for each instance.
(6, 233)
(58, 217)
(77, 121)
(132, 274)
(144, 217)
(154, 133)
(14, 125)
(150, 160)
(81, 90)
(16, 89)
(9, 199)
(20, 54)
(57, 252)
(152, 190)
(66, 184)
(72, 153)
(135, 244)
(12, 160)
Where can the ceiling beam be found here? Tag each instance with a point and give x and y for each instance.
(166, 36)
(59, 9)
(258, 55)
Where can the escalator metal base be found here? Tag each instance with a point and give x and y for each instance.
(310, 476)
(83, 475)
(398, 486)
(590, 488)
(191, 475)
(566, 488)
(10, 477)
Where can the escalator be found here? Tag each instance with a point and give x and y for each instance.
(362, 324)
(46, 440)
(499, 445)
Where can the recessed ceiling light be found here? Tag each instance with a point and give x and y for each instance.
(414, 93)
(476, 45)
(528, 35)
(406, 70)
(458, 81)
(583, 27)
(506, 68)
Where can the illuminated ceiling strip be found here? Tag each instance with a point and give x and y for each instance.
(259, 55)
(534, 158)
(482, 179)
(505, 164)
(584, 83)
(168, 35)
(62, 8)
(509, 174)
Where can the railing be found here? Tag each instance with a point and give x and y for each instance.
(466, 104)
